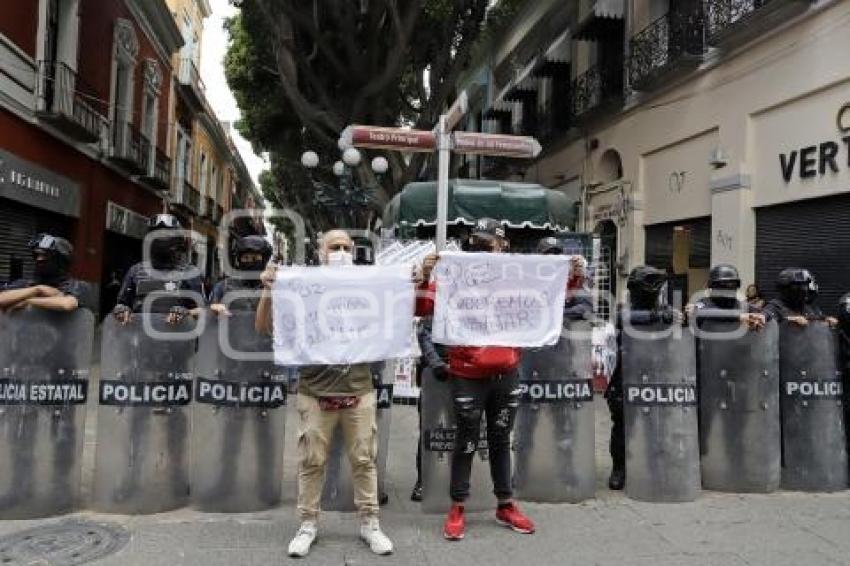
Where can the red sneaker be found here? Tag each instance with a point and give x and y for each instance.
(455, 523)
(511, 516)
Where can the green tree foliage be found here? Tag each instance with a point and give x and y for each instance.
(302, 70)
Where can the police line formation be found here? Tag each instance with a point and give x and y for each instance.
(179, 422)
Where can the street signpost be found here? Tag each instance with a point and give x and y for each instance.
(445, 142)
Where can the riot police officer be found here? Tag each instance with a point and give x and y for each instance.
(798, 292)
(645, 284)
(51, 288)
(49, 355)
(168, 257)
(166, 277)
(250, 255)
(722, 302)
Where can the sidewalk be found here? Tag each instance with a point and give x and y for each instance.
(729, 530)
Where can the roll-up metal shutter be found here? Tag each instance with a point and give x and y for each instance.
(17, 227)
(813, 234)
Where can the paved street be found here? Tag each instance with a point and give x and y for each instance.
(775, 530)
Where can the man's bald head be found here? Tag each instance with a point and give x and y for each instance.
(335, 240)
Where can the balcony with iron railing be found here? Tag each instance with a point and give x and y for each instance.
(190, 85)
(729, 23)
(597, 89)
(65, 102)
(186, 195)
(129, 148)
(671, 46)
(158, 174)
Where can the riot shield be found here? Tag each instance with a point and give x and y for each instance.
(45, 358)
(238, 418)
(142, 456)
(814, 456)
(739, 408)
(338, 490)
(660, 412)
(437, 434)
(554, 432)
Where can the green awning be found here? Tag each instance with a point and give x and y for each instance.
(517, 205)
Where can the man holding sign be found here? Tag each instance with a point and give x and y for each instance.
(318, 318)
(485, 310)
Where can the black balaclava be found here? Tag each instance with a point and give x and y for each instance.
(645, 284)
(52, 256)
(796, 286)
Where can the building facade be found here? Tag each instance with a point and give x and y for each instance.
(99, 113)
(84, 99)
(696, 133)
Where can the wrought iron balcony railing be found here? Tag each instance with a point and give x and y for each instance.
(671, 44)
(727, 20)
(159, 171)
(596, 86)
(130, 147)
(67, 103)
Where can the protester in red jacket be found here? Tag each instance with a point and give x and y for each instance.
(484, 381)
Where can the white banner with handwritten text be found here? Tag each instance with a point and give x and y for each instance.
(342, 315)
(486, 299)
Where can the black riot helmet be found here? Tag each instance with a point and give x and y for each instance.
(796, 287)
(550, 246)
(724, 282)
(52, 256)
(644, 284)
(251, 246)
(166, 249)
(724, 276)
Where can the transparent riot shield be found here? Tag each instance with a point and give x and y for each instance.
(814, 456)
(437, 437)
(142, 456)
(238, 418)
(45, 359)
(660, 412)
(554, 431)
(338, 490)
(739, 408)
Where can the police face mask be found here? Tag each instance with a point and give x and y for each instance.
(47, 268)
(163, 251)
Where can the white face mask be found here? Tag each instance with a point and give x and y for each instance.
(340, 257)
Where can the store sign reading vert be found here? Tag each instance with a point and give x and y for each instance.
(818, 160)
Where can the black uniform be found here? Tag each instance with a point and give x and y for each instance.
(644, 284)
(51, 270)
(140, 281)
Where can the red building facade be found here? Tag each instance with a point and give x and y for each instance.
(85, 110)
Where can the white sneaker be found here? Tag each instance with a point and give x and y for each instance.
(299, 547)
(370, 532)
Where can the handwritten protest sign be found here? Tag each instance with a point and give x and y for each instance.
(486, 299)
(342, 315)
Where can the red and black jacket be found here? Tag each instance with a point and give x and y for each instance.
(470, 362)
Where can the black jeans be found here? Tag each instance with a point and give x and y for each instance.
(617, 444)
(497, 398)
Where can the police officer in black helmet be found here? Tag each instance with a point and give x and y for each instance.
(798, 293)
(645, 285)
(168, 257)
(722, 301)
(50, 288)
(250, 253)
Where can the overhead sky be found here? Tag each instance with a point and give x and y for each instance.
(213, 48)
